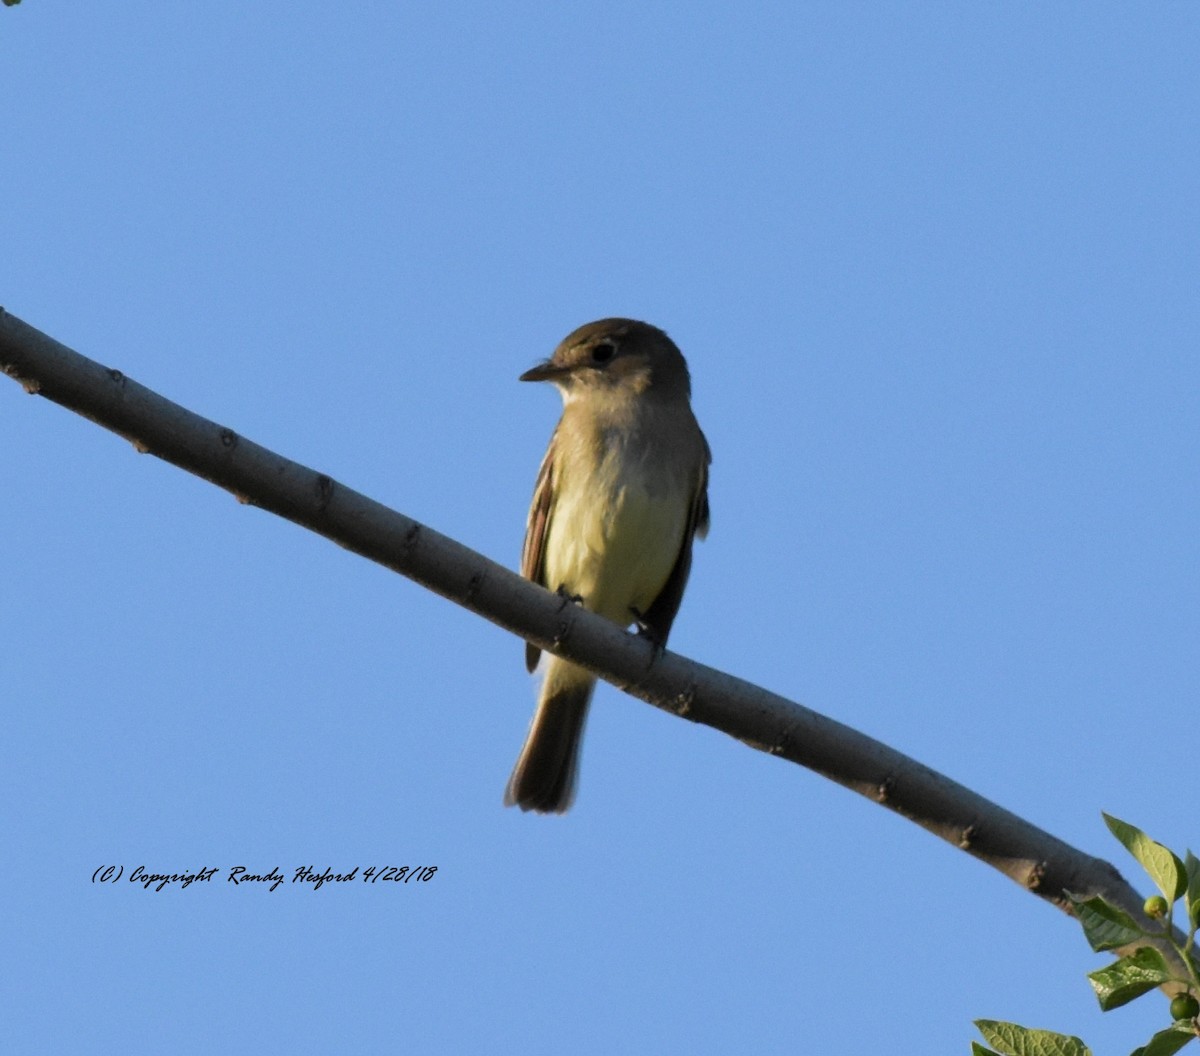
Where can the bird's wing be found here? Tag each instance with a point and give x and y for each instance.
(656, 621)
(534, 551)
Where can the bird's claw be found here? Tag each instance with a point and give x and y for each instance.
(650, 634)
(566, 595)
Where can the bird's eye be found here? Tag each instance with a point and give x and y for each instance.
(603, 352)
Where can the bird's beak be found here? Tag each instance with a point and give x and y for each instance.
(547, 371)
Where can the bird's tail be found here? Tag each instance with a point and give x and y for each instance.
(544, 778)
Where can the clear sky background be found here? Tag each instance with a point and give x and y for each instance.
(935, 268)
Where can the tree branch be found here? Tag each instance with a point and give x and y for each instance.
(1037, 861)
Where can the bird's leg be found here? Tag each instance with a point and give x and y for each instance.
(656, 638)
(566, 595)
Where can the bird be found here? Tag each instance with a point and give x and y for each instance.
(620, 496)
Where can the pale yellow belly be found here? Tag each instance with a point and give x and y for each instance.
(616, 549)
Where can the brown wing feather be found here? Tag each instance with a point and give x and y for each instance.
(534, 550)
(657, 620)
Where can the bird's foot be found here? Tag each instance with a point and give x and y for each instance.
(651, 634)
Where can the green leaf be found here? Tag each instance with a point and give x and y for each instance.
(1130, 977)
(1164, 867)
(980, 1050)
(1168, 1042)
(1013, 1040)
(1105, 926)
(1191, 866)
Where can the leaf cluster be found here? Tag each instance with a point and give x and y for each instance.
(1144, 968)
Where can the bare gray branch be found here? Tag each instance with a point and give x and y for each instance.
(1033, 858)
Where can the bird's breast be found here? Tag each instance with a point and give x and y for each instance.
(616, 530)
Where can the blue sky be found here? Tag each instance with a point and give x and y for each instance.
(935, 274)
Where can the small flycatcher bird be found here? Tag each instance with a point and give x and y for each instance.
(620, 495)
